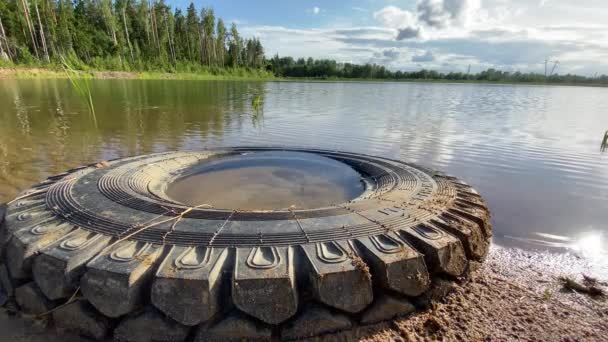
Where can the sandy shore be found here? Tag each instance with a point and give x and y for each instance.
(47, 73)
(515, 295)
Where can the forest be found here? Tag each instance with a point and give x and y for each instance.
(326, 68)
(122, 35)
(144, 35)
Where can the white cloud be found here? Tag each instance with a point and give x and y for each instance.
(395, 17)
(448, 35)
(316, 10)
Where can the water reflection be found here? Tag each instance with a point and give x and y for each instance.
(531, 150)
(267, 181)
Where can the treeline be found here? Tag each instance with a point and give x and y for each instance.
(328, 69)
(147, 35)
(122, 35)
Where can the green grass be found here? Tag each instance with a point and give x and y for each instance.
(604, 146)
(257, 104)
(82, 85)
(53, 71)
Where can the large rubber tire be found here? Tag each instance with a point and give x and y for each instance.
(145, 269)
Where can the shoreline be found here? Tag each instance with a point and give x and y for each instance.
(48, 73)
(17, 72)
(515, 295)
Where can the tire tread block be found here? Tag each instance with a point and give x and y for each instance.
(187, 286)
(443, 252)
(264, 284)
(387, 307)
(314, 320)
(31, 300)
(469, 234)
(337, 276)
(81, 318)
(150, 325)
(27, 241)
(117, 280)
(59, 266)
(235, 326)
(395, 264)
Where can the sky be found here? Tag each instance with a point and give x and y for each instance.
(444, 35)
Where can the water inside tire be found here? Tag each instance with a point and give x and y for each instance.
(268, 181)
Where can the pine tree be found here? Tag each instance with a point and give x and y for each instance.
(113, 34)
(193, 36)
(30, 26)
(208, 19)
(221, 42)
(235, 46)
(41, 32)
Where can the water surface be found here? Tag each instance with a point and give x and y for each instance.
(532, 151)
(266, 181)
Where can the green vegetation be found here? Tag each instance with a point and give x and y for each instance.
(330, 69)
(148, 37)
(82, 85)
(604, 146)
(122, 35)
(257, 103)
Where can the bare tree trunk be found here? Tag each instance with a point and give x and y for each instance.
(189, 45)
(42, 37)
(124, 20)
(202, 45)
(108, 20)
(2, 54)
(5, 41)
(51, 33)
(214, 57)
(28, 19)
(154, 28)
(171, 43)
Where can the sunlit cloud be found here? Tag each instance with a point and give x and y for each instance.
(450, 35)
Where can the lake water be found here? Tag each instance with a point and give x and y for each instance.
(532, 151)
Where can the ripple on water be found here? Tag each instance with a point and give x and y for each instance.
(532, 151)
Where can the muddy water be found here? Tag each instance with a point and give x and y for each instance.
(532, 151)
(269, 180)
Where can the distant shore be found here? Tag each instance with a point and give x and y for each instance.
(49, 73)
(18, 72)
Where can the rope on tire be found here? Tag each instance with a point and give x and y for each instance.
(69, 301)
(175, 218)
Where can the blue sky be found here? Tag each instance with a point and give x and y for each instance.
(445, 35)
